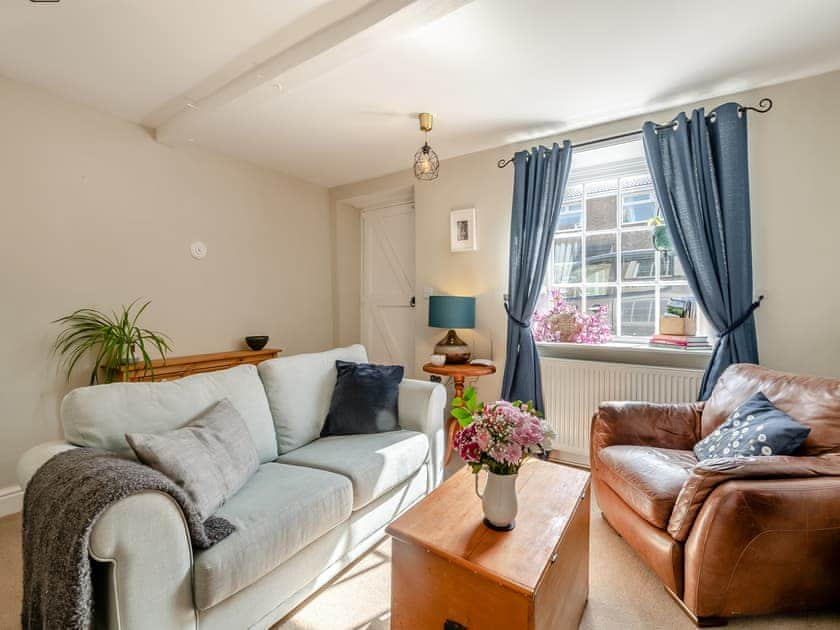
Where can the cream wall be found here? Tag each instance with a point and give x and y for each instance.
(94, 212)
(794, 166)
(347, 285)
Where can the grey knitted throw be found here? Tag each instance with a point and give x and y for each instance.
(60, 507)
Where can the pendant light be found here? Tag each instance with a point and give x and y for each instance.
(426, 163)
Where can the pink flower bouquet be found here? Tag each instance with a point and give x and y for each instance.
(500, 435)
(561, 321)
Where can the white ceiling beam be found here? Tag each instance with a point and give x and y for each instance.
(324, 50)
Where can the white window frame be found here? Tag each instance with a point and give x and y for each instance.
(614, 170)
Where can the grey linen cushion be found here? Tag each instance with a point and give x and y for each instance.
(210, 458)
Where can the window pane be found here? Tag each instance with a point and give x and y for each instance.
(637, 256)
(670, 291)
(638, 207)
(601, 258)
(596, 296)
(567, 260)
(670, 267)
(638, 311)
(601, 210)
(571, 216)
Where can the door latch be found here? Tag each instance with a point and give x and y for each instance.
(412, 302)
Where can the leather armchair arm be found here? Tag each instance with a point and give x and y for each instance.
(662, 425)
(764, 545)
(711, 473)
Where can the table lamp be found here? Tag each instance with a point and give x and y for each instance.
(452, 311)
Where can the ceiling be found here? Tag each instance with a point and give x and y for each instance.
(328, 90)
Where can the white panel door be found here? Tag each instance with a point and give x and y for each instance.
(388, 285)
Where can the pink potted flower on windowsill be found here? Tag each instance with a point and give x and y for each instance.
(562, 321)
(498, 436)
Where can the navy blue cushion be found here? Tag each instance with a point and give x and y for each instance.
(364, 399)
(756, 427)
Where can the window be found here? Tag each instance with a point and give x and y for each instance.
(602, 251)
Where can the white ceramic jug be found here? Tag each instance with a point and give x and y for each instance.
(498, 501)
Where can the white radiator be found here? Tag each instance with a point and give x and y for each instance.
(572, 391)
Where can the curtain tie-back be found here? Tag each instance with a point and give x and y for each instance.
(516, 321)
(743, 319)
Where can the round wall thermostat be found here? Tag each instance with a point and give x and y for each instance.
(198, 250)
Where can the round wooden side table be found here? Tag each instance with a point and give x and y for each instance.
(458, 372)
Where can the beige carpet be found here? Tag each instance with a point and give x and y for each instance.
(624, 594)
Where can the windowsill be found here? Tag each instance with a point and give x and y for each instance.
(627, 352)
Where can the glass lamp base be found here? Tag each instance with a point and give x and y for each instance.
(455, 348)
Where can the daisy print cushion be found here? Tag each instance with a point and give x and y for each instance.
(756, 427)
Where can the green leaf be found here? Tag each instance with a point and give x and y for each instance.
(465, 422)
(460, 413)
(469, 394)
(457, 402)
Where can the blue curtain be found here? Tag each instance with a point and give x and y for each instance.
(701, 176)
(538, 186)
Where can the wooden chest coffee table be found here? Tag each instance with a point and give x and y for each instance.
(450, 571)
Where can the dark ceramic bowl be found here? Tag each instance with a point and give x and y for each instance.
(256, 342)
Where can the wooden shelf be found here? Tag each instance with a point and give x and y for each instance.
(178, 367)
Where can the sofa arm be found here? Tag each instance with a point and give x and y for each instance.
(145, 580)
(37, 456)
(644, 424)
(144, 546)
(421, 408)
(765, 545)
(710, 473)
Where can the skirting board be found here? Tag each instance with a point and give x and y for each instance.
(11, 500)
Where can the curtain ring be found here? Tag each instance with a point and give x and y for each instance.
(676, 125)
(713, 117)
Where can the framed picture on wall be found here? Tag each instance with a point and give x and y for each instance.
(463, 230)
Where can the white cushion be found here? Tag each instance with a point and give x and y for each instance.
(375, 463)
(299, 390)
(277, 513)
(101, 415)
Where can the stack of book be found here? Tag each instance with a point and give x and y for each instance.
(686, 342)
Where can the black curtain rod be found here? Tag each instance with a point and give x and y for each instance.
(764, 106)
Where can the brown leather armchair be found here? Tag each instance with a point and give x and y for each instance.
(735, 536)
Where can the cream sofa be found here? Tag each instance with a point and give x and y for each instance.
(314, 505)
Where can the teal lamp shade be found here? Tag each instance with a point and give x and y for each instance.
(451, 311)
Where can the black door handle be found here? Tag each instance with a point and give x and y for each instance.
(412, 302)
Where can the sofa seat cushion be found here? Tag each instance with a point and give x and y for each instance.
(374, 463)
(647, 479)
(281, 510)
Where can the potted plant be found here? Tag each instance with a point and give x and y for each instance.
(660, 235)
(113, 340)
(498, 436)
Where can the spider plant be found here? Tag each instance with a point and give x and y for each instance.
(113, 340)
